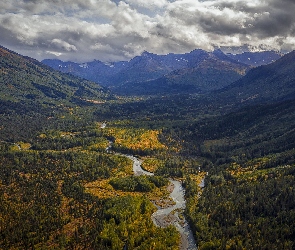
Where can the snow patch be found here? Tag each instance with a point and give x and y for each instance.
(84, 65)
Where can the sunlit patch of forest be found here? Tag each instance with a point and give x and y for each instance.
(140, 141)
(151, 164)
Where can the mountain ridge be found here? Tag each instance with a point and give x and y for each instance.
(208, 74)
(256, 58)
(272, 82)
(24, 78)
(151, 67)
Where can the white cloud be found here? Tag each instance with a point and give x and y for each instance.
(151, 4)
(60, 44)
(54, 53)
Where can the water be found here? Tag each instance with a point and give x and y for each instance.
(187, 238)
(178, 193)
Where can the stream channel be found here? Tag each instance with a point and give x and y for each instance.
(170, 216)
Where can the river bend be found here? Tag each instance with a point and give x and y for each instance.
(170, 215)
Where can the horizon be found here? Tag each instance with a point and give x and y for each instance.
(106, 62)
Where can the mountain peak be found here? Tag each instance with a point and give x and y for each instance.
(147, 54)
(218, 52)
(198, 51)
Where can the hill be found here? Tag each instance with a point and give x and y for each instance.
(33, 96)
(25, 79)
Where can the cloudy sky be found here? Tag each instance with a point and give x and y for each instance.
(111, 30)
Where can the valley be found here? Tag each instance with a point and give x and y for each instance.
(228, 150)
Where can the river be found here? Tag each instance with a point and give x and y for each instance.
(170, 215)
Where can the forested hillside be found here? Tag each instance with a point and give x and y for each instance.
(33, 95)
(269, 83)
(26, 79)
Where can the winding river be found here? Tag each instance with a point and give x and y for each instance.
(170, 216)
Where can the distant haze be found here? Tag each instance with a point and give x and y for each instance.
(84, 30)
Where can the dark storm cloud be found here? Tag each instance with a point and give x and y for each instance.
(218, 24)
(238, 6)
(274, 24)
(266, 19)
(279, 20)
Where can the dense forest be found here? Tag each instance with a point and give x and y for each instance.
(45, 203)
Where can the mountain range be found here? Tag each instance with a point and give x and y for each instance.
(24, 78)
(198, 71)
